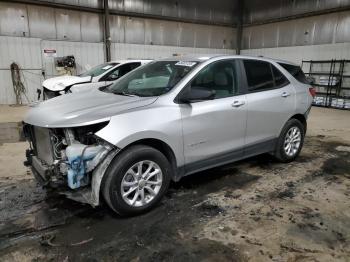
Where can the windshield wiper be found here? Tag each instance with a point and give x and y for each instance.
(123, 93)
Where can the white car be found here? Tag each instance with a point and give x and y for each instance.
(101, 75)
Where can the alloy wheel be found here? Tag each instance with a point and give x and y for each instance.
(292, 141)
(141, 183)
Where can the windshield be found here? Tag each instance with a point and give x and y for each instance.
(98, 70)
(153, 79)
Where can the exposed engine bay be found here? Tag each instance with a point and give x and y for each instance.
(65, 158)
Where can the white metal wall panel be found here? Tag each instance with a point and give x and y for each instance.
(42, 22)
(304, 32)
(315, 30)
(13, 20)
(117, 26)
(325, 29)
(86, 54)
(125, 51)
(134, 30)
(26, 53)
(258, 10)
(343, 28)
(153, 32)
(68, 25)
(298, 53)
(208, 10)
(91, 25)
(186, 35)
(202, 36)
(170, 33)
(7, 96)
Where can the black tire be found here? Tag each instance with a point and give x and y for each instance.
(280, 153)
(111, 184)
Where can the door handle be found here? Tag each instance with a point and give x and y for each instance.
(238, 103)
(285, 94)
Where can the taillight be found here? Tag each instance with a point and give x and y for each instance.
(312, 91)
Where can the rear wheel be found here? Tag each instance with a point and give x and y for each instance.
(136, 180)
(290, 141)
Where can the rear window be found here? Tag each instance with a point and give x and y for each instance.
(296, 72)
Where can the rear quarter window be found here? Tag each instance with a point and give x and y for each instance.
(296, 72)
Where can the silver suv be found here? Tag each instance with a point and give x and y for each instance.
(165, 120)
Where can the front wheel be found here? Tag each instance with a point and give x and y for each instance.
(290, 141)
(136, 180)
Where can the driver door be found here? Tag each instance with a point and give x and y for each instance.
(214, 130)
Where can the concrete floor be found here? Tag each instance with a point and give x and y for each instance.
(256, 210)
(10, 122)
(12, 113)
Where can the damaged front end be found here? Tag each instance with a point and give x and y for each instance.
(71, 160)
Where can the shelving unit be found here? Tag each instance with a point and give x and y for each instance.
(332, 82)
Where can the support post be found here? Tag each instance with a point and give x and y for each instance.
(239, 27)
(107, 35)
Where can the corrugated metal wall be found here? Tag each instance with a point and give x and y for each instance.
(315, 30)
(259, 11)
(298, 53)
(26, 30)
(157, 32)
(49, 23)
(60, 24)
(311, 38)
(26, 53)
(86, 54)
(126, 51)
(205, 10)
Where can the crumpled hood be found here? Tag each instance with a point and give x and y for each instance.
(59, 83)
(82, 109)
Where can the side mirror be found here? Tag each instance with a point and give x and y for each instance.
(196, 94)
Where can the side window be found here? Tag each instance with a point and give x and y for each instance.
(134, 65)
(259, 75)
(219, 77)
(120, 71)
(296, 72)
(280, 79)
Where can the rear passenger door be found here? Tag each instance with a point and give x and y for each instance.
(270, 103)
